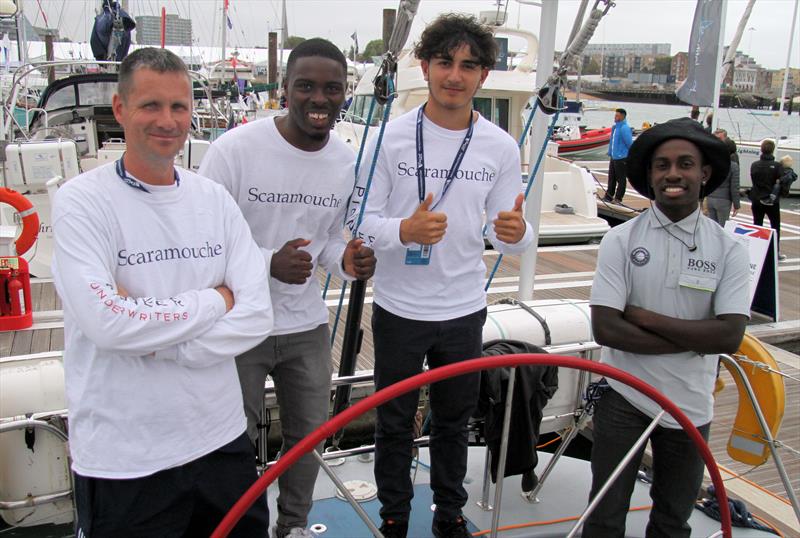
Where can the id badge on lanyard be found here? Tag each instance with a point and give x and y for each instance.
(421, 254)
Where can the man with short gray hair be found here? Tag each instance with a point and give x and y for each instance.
(162, 286)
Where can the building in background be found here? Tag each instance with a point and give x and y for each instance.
(679, 67)
(792, 87)
(628, 49)
(617, 60)
(178, 30)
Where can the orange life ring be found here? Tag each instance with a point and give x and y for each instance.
(29, 216)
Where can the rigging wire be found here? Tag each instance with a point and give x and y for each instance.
(214, 25)
(61, 14)
(238, 26)
(44, 15)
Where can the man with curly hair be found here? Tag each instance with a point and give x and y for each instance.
(441, 168)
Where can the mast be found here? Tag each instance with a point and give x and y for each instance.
(576, 26)
(224, 33)
(718, 69)
(284, 39)
(788, 57)
(22, 53)
(737, 37)
(544, 68)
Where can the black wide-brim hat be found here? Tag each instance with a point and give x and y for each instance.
(713, 149)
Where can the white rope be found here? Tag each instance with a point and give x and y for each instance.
(548, 94)
(406, 12)
(577, 46)
(763, 366)
(781, 444)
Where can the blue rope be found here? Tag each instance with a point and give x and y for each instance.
(519, 144)
(364, 137)
(531, 178)
(325, 289)
(374, 163)
(387, 109)
(528, 124)
(358, 164)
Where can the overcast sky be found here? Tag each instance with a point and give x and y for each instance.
(630, 21)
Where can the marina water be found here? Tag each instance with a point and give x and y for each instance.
(741, 123)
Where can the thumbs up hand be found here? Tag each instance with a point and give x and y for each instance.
(290, 264)
(425, 227)
(509, 226)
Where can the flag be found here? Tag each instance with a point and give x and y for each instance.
(698, 88)
(284, 26)
(354, 37)
(230, 24)
(756, 232)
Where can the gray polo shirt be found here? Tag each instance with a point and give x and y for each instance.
(640, 264)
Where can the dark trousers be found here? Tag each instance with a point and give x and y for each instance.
(617, 178)
(773, 212)
(677, 471)
(400, 347)
(185, 501)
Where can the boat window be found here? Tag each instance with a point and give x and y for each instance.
(500, 118)
(62, 98)
(359, 109)
(98, 93)
(493, 109)
(484, 106)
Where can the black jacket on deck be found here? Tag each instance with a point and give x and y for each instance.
(533, 387)
(764, 173)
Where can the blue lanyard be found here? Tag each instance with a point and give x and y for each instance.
(132, 182)
(462, 150)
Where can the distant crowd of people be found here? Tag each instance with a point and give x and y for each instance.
(166, 358)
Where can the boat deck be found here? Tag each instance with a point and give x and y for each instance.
(563, 272)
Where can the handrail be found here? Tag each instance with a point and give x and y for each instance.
(348, 415)
(34, 422)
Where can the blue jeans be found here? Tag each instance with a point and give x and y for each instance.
(677, 471)
(400, 347)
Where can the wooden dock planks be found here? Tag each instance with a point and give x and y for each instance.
(563, 272)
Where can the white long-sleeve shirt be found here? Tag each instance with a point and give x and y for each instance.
(151, 381)
(488, 181)
(286, 193)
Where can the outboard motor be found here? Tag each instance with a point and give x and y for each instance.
(111, 33)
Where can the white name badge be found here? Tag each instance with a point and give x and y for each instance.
(702, 283)
(419, 256)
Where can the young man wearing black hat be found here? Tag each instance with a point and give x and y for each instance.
(669, 294)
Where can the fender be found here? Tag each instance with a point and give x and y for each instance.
(746, 442)
(29, 216)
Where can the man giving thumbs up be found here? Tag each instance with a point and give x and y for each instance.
(442, 169)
